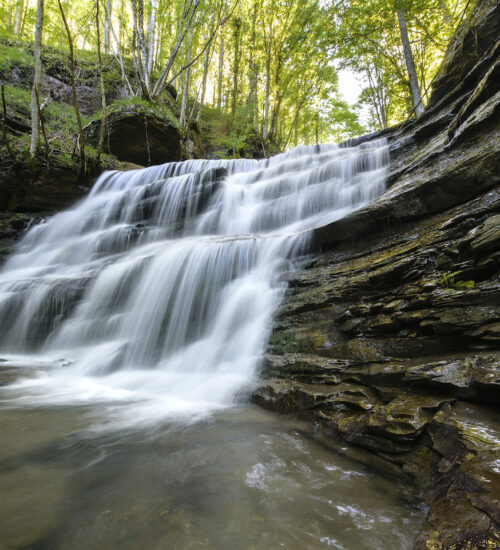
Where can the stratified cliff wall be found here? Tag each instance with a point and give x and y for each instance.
(389, 336)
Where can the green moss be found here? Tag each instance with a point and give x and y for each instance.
(14, 55)
(158, 108)
(284, 342)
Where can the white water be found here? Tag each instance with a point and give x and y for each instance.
(157, 291)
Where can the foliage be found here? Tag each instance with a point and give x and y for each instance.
(266, 67)
(367, 40)
(447, 280)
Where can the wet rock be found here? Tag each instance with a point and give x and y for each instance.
(389, 337)
(486, 237)
(41, 190)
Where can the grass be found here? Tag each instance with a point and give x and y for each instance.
(161, 108)
(57, 63)
(14, 56)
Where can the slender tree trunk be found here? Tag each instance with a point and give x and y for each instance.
(37, 82)
(185, 91)
(42, 126)
(295, 123)
(265, 125)
(139, 45)
(410, 65)
(375, 98)
(151, 38)
(162, 80)
(206, 65)
(107, 27)
(4, 121)
(18, 17)
(253, 72)
(268, 91)
(83, 164)
(142, 44)
(118, 54)
(122, 24)
(221, 73)
(276, 112)
(25, 14)
(101, 82)
(236, 67)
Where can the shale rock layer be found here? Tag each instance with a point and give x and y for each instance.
(389, 336)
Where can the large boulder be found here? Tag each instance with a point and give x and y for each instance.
(141, 138)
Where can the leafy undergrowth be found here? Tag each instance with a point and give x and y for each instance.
(228, 140)
(60, 128)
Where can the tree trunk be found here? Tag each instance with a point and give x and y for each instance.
(101, 82)
(139, 45)
(18, 17)
(83, 164)
(23, 22)
(162, 80)
(295, 122)
(253, 72)
(410, 65)
(236, 67)
(107, 27)
(118, 54)
(316, 130)
(206, 65)
(151, 38)
(37, 82)
(221, 73)
(268, 91)
(185, 91)
(4, 121)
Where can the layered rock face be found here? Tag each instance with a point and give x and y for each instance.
(389, 336)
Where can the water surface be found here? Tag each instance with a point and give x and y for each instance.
(243, 479)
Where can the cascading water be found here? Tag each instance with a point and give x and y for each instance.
(158, 289)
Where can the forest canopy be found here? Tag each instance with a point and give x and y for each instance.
(269, 67)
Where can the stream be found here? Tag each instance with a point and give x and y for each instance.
(133, 326)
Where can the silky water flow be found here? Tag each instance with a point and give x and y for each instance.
(159, 288)
(132, 326)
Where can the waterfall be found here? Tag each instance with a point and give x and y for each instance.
(157, 290)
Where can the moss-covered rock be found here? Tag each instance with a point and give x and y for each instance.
(139, 137)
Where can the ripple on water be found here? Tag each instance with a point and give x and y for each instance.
(244, 479)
